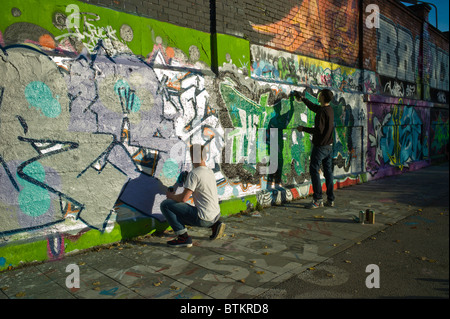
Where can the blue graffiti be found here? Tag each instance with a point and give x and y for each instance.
(402, 140)
(129, 100)
(110, 292)
(40, 96)
(34, 201)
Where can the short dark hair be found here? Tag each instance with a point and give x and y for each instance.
(194, 150)
(327, 95)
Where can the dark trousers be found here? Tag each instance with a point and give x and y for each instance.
(322, 155)
(180, 214)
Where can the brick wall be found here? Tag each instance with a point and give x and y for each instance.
(315, 28)
(438, 66)
(322, 29)
(193, 14)
(401, 51)
(318, 29)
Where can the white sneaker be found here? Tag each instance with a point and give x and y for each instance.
(315, 204)
(329, 203)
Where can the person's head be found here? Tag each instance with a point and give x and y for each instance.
(325, 96)
(198, 154)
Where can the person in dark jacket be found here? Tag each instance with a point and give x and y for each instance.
(322, 145)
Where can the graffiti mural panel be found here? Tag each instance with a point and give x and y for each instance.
(254, 105)
(273, 65)
(398, 136)
(439, 139)
(38, 146)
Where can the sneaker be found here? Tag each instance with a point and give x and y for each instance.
(180, 241)
(315, 204)
(329, 203)
(217, 230)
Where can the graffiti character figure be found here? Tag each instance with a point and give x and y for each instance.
(322, 145)
(201, 184)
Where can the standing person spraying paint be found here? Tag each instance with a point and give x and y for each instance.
(201, 184)
(322, 145)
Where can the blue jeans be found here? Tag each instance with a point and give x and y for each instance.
(322, 155)
(178, 215)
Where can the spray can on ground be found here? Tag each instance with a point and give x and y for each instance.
(362, 216)
(370, 216)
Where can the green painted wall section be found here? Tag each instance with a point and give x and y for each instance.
(234, 50)
(145, 31)
(16, 255)
(236, 205)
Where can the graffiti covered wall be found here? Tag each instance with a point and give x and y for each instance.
(398, 137)
(94, 122)
(98, 107)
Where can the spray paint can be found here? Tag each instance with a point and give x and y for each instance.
(362, 216)
(370, 216)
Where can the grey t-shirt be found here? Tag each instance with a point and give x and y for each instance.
(202, 182)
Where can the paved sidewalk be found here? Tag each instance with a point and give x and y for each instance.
(258, 251)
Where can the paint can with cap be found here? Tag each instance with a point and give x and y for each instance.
(362, 216)
(370, 216)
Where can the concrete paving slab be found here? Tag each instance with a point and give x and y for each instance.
(29, 283)
(93, 284)
(168, 289)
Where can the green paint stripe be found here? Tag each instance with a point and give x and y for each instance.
(16, 255)
(235, 205)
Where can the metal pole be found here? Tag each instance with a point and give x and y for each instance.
(435, 10)
(417, 1)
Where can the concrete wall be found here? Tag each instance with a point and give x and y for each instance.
(95, 118)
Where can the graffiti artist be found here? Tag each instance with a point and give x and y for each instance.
(201, 184)
(322, 141)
